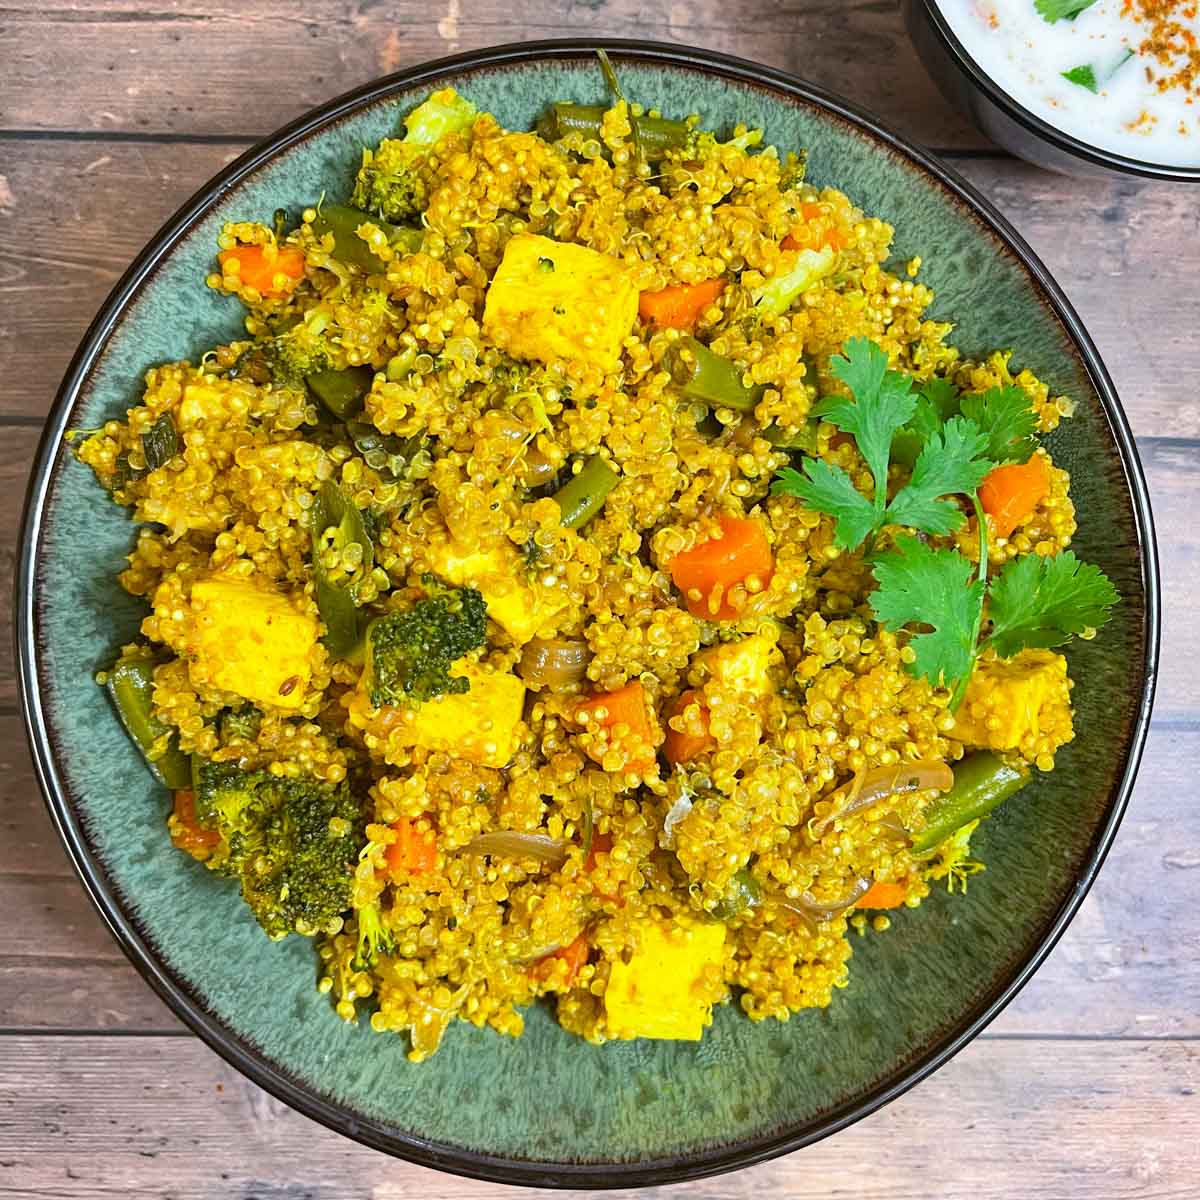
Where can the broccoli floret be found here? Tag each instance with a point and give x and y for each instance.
(291, 843)
(389, 182)
(780, 292)
(374, 938)
(409, 654)
(301, 350)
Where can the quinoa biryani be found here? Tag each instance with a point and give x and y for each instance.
(592, 578)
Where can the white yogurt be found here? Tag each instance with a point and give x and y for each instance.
(1025, 56)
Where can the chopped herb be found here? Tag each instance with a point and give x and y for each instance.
(160, 443)
(1005, 415)
(1061, 10)
(545, 265)
(1093, 75)
(123, 474)
(1084, 76)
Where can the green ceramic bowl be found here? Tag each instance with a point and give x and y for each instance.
(549, 1109)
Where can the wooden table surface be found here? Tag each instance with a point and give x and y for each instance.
(111, 113)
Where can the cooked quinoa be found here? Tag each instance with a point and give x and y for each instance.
(637, 794)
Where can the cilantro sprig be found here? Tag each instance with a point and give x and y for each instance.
(950, 443)
(1061, 10)
(950, 455)
(921, 585)
(1034, 602)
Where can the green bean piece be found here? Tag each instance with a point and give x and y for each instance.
(582, 496)
(803, 439)
(745, 892)
(704, 376)
(658, 135)
(130, 685)
(341, 392)
(160, 443)
(338, 603)
(386, 453)
(343, 222)
(981, 783)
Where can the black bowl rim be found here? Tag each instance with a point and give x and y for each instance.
(242, 1056)
(1065, 142)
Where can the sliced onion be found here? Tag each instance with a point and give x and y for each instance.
(539, 470)
(678, 811)
(813, 911)
(865, 789)
(553, 663)
(519, 845)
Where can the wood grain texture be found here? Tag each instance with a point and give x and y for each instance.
(1122, 969)
(165, 1117)
(183, 68)
(1084, 1089)
(63, 248)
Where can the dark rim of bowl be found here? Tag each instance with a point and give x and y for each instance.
(244, 1057)
(1096, 155)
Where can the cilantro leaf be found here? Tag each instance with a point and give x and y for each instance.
(951, 462)
(1059, 10)
(882, 404)
(921, 586)
(937, 402)
(938, 399)
(1041, 602)
(1006, 416)
(829, 489)
(1084, 76)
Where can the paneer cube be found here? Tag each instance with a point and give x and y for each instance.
(552, 301)
(668, 986)
(743, 665)
(513, 604)
(481, 725)
(246, 638)
(1022, 703)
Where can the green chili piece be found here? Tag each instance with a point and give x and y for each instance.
(703, 375)
(582, 496)
(745, 892)
(981, 783)
(130, 684)
(341, 392)
(338, 603)
(385, 452)
(343, 222)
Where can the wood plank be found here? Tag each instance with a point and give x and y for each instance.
(93, 1117)
(1122, 968)
(62, 249)
(196, 68)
